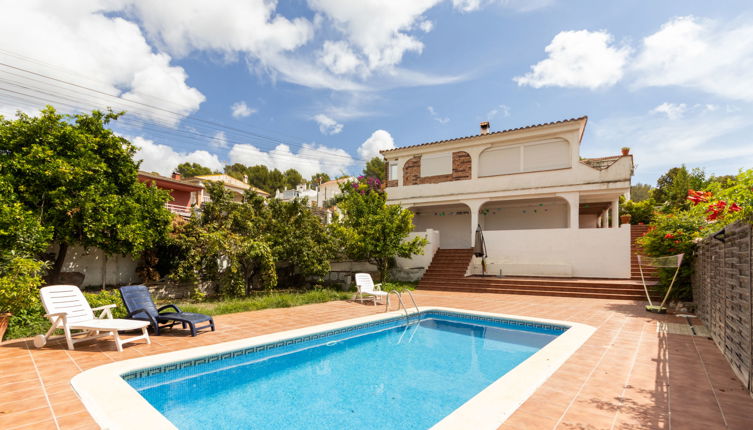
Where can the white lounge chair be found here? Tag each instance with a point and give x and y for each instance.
(68, 309)
(365, 285)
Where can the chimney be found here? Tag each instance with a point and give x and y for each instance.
(485, 127)
(176, 176)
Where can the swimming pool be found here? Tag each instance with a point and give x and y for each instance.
(437, 367)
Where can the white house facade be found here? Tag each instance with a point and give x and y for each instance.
(544, 210)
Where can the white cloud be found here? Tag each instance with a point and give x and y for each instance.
(327, 125)
(241, 110)
(164, 159)
(378, 141)
(80, 44)
(436, 117)
(703, 54)
(502, 110)
(218, 140)
(426, 26)
(466, 5)
(339, 58)
(578, 59)
(672, 110)
(379, 29)
(516, 5)
(309, 159)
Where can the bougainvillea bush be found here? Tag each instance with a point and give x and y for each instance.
(710, 211)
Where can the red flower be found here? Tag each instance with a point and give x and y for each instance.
(734, 207)
(698, 196)
(669, 236)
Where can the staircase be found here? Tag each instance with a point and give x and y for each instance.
(447, 273)
(649, 273)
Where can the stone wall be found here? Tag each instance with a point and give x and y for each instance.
(723, 293)
(461, 170)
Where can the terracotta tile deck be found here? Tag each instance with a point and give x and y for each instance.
(627, 376)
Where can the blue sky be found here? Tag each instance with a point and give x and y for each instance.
(324, 84)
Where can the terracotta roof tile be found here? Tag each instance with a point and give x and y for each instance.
(479, 135)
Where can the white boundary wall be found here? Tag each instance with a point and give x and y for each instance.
(117, 269)
(424, 260)
(588, 253)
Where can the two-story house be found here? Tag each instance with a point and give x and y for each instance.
(544, 210)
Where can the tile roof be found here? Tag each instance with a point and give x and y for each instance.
(156, 176)
(487, 134)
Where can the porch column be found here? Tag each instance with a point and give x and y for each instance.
(615, 213)
(605, 218)
(474, 207)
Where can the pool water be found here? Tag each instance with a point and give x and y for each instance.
(404, 376)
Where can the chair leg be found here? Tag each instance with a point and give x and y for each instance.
(145, 333)
(193, 328)
(211, 321)
(68, 337)
(118, 343)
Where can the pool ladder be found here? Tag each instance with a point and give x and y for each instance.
(401, 304)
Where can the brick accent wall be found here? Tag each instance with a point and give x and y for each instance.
(723, 291)
(461, 170)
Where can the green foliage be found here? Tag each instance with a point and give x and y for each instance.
(640, 192)
(268, 180)
(265, 300)
(672, 188)
(640, 212)
(375, 168)
(319, 178)
(374, 231)
(223, 246)
(79, 179)
(293, 178)
(299, 241)
(20, 278)
(672, 234)
(738, 191)
(189, 170)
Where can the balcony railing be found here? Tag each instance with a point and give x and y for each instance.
(183, 211)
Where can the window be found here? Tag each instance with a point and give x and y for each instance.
(392, 172)
(499, 161)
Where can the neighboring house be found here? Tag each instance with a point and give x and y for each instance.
(326, 191)
(185, 194)
(544, 210)
(235, 186)
(299, 192)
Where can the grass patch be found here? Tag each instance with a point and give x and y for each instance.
(264, 300)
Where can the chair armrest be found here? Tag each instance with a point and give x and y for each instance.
(59, 314)
(105, 311)
(177, 309)
(378, 287)
(148, 316)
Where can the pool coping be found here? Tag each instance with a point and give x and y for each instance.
(114, 404)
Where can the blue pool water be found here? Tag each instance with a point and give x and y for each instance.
(385, 376)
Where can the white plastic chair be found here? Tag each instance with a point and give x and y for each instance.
(68, 309)
(365, 285)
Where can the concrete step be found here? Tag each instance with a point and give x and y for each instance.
(539, 292)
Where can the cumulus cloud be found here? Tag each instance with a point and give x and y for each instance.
(241, 110)
(379, 29)
(309, 159)
(582, 58)
(111, 50)
(436, 117)
(378, 141)
(517, 5)
(163, 159)
(702, 54)
(339, 58)
(327, 125)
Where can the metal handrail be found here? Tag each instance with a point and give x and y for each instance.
(400, 302)
(412, 299)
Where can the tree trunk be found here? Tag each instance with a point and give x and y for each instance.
(58, 266)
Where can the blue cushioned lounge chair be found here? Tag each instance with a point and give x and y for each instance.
(140, 306)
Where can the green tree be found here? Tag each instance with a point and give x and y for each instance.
(276, 181)
(258, 176)
(375, 168)
(319, 178)
(374, 231)
(293, 178)
(237, 171)
(640, 192)
(189, 170)
(22, 238)
(300, 243)
(223, 246)
(672, 187)
(79, 179)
